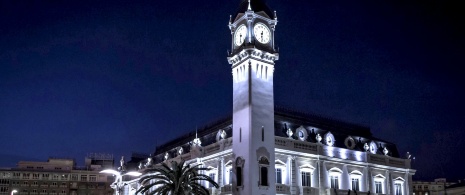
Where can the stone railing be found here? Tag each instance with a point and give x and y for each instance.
(307, 190)
(282, 189)
(227, 189)
(387, 160)
(336, 152)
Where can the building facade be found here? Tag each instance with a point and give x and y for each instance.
(436, 187)
(265, 149)
(56, 177)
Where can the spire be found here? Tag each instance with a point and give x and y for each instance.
(249, 8)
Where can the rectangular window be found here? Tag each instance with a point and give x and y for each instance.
(397, 189)
(355, 184)
(378, 187)
(74, 177)
(55, 177)
(64, 177)
(92, 178)
(263, 176)
(279, 176)
(45, 176)
(334, 181)
(26, 175)
(83, 177)
(212, 176)
(35, 176)
(305, 176)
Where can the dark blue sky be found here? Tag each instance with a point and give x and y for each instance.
(79, 77)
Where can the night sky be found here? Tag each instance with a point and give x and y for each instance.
(79, 77)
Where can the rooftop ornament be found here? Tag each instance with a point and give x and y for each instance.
(289, 133)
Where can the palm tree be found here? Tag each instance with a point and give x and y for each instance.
(179, 179)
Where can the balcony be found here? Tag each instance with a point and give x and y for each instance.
(282, 189)
(332, 191)
(309, 190)
(227, 189)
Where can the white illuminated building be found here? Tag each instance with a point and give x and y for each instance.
(264, 149)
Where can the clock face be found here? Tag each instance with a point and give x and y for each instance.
(262, 33)
(239, 35)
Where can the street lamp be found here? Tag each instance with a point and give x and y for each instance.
(13, 191)
(118, 184)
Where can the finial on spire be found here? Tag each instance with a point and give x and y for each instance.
(249, 8)
(230, 18)
(275, 16)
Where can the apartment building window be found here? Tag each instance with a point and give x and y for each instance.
(334, 175)
(45, 176)
(378, 187)
(263, 163)
(26, 175)
(44, 191)
(35, 176)
(64, 177)
(398, 186)
(25, 183)
(280, 169)
(74, 177)
(16, 175)
(83, 177)
(228, 172)
(4, 189)
(55, 177)
(355, 177)
(279, 176)
(397, 189)
(305, 176)
(4, 182)
(34, 191)
(35, 184)
(355, 184)
(334, 181)
(63, 185)
(379, 183)
(54, 184)
(92, 178)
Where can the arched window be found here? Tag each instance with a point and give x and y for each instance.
(263, 164)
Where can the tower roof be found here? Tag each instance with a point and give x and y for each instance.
(256, 6)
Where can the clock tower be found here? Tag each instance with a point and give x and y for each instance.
(252, 60)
